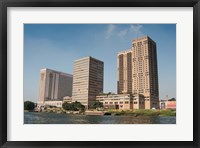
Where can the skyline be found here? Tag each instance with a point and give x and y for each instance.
(58, 46)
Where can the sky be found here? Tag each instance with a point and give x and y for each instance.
(57, 46)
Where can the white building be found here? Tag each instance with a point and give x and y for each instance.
(57, 103)
(67, 99)
(54, 85)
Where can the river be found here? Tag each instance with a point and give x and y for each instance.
(53, 118)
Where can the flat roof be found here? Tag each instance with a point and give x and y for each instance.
(124, 51)
(114, 95)
(61, 73)
(88, 57)
(143, 37)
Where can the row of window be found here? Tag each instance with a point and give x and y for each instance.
(52, 104)
(126, 102)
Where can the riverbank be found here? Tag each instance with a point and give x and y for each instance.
(134, 113)
(143, 112)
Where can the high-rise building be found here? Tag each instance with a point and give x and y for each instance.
(138, 72)
(88, 80)
(54, 85)
(124, 64)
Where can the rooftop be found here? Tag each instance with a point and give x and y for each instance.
(61, 73)
(88, 57)
(124, 51)
(142, 38)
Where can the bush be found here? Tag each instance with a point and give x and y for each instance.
(172, 99)
(96, 104)
(28, 105)
(74, 106)
(66, 106)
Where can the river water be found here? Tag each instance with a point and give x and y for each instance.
(53, 118)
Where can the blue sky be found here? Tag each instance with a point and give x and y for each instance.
(56, 46)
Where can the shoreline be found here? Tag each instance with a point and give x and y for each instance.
(135, 113)
(145, 113)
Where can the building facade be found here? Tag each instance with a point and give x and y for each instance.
(167, 104)
(124, 66)
(53, 103)
(119, 101)
(88, 80)
(138, 72)
(67, 99)
(138, 102)
(54, 85)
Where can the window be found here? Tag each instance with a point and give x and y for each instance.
(126, 102)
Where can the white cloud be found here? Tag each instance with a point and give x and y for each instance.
(123, 33)
(110, 30)
(136, 30)
(132, 31)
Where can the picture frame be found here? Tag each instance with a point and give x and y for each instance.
(99, 3)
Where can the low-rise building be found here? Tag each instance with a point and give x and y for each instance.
(54, 103)
(171, 104)
(162, 104)
(167, 104)
(51, 103)
(122, 101)
(119, 101)
(67, 99)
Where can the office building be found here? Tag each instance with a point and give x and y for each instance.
(88, 80)
(54, 85)
(138, 72)
(124, 66)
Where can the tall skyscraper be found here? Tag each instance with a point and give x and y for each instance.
(54, 85)
(138, 72)
(88, 80)
(124, 64)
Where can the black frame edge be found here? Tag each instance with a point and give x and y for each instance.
(100, 3)
(196, 72)
(4, 74)
(1, 112)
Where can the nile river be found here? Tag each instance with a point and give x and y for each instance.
(53, 118)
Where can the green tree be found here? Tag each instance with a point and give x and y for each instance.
(79, 106)
(74, 106)
(66, 106)
(96, 104)
(172, 99)
(28, 105)
(109, 93)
